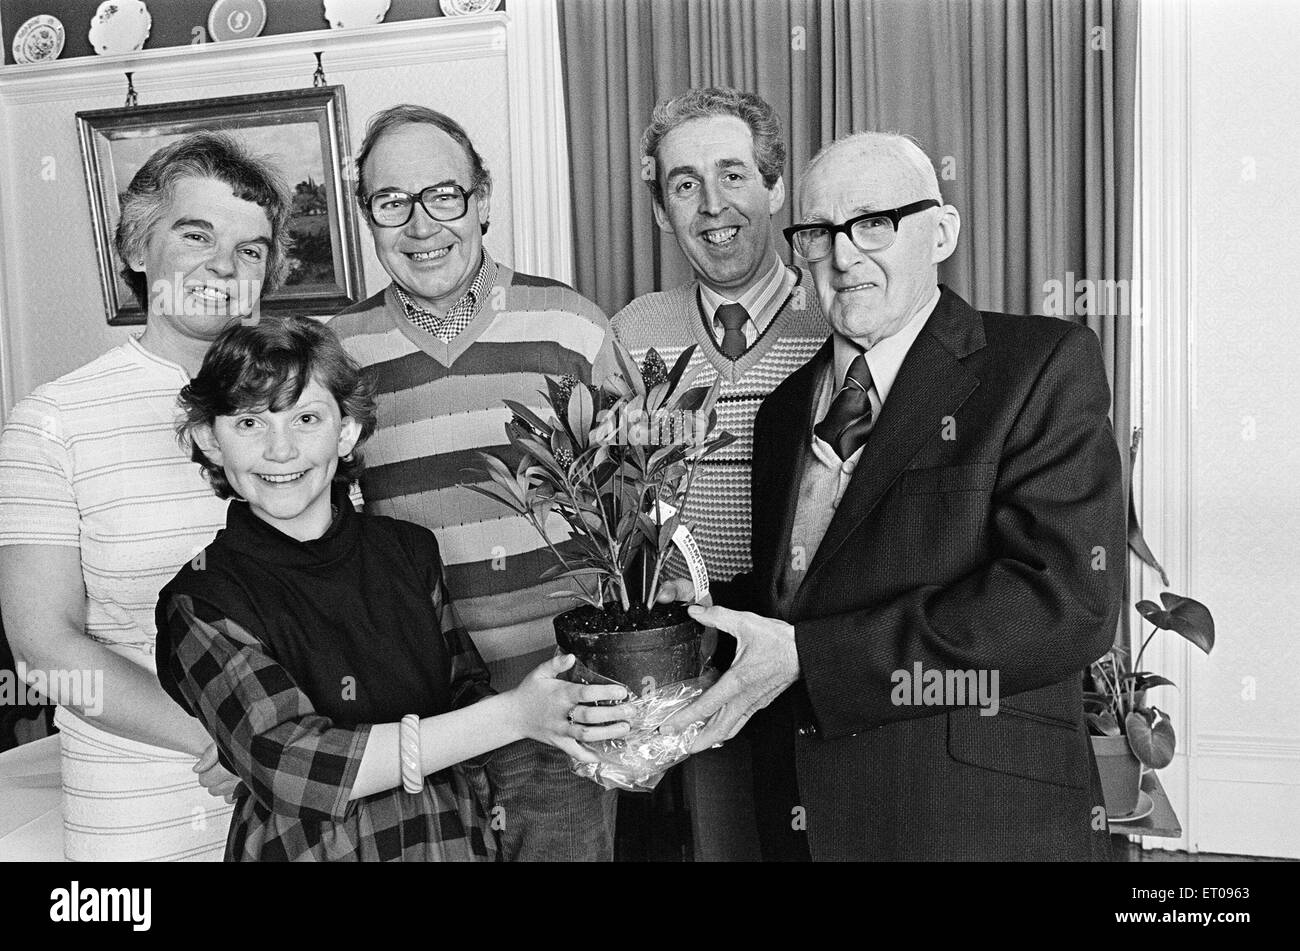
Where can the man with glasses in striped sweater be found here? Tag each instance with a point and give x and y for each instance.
(453, 335)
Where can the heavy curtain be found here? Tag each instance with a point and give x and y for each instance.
(1024, 106)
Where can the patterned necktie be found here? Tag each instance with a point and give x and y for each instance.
(733, 318)
(847, 422)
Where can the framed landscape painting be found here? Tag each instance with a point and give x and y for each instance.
(303, 131)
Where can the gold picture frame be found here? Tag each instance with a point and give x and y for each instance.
(304, 130)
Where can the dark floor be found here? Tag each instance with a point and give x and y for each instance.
(1126, 851)
(655, 827)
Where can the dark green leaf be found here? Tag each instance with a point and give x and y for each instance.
(529, 417)
(1145, 681)
(683, 361)
(497, 470)
(1151, 736)
(1184, 616)
(580, 572)
(538, 450)
(590, 469)
(499, 494)
(1138, 543)
(662, 456)
(543, 479)
(617, 387)
(666, 532)
(674, 474)
(720, 441)
(1095, 705)
(575, 595)
(690, 400)
(582, 410)
(631, 373)
(654, 399)
(1103, 724)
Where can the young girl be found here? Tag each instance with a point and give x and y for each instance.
(319, 646)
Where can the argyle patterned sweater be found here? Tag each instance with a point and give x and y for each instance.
(670, 321)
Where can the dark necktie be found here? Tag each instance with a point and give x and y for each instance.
(847, 422)
(733, 318)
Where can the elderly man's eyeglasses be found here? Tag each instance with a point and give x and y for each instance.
(393, 209)
(874, 231)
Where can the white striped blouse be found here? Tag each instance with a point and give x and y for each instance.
(91, 461)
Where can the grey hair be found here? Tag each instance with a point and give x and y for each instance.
(216, 155)
(702, 102)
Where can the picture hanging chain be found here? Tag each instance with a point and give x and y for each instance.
(318, 78)
(131, 98)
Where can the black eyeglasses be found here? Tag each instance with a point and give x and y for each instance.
(874, 231)
(393, 209)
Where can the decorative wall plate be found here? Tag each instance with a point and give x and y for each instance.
(346, 14)
(39, 40)
(236, 19)
(120, 26)
(461, 8)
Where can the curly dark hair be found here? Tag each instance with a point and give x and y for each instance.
(267, 365)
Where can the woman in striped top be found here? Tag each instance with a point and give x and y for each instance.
(99, 507)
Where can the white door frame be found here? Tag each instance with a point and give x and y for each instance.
(1164, 367)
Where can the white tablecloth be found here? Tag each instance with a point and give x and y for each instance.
(31, 803)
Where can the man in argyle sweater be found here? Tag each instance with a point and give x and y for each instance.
(717, 158)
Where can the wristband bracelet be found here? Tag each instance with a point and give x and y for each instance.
(409, 753)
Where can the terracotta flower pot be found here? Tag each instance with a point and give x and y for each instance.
(644, 658)
(1121, 774)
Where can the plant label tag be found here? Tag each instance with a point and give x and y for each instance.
(690, 549)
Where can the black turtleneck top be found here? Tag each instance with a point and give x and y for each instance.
(288, 650)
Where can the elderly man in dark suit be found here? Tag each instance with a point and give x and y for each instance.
(938, 550)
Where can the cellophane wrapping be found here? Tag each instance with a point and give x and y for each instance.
(639, 759)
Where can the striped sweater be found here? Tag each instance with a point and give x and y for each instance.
(439, 406)
(670, 321)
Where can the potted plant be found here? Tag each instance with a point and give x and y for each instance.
(1127, 734)
(616, 463)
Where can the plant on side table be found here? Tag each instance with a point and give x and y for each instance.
(1129, 736)
(1127, 733)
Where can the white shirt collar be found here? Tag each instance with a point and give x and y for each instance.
(761, 299)
(886, 357)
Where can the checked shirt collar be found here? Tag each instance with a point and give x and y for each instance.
(458, 315)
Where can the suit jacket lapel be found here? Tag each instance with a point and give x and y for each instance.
(931, 384)
(793, 429)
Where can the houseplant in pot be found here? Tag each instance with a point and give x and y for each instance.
(614, 465)
(1127, 733)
